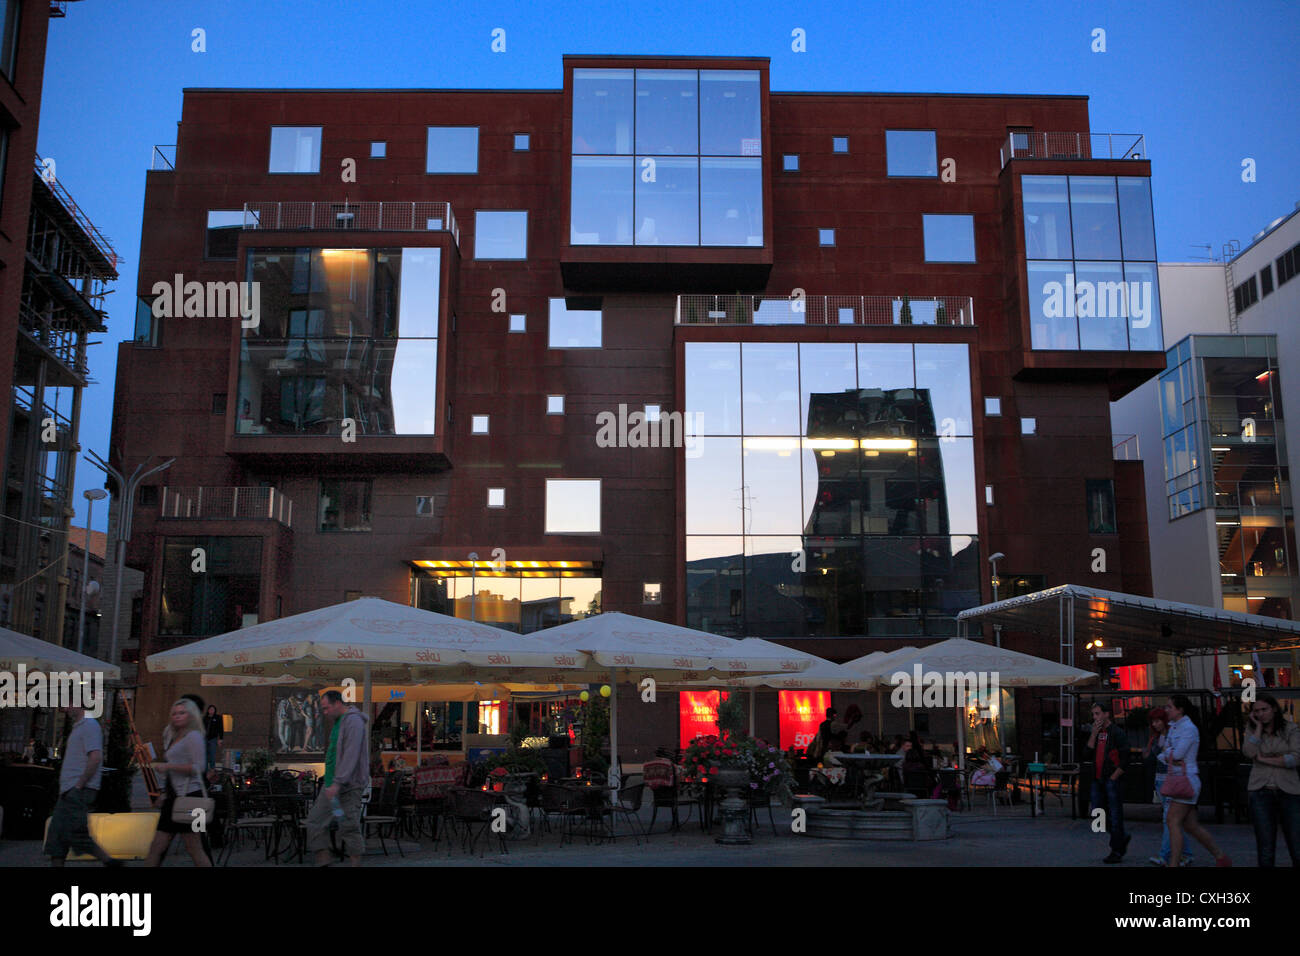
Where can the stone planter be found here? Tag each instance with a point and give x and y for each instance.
(735, 806)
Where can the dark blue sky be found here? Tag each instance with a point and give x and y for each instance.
(1209, 84)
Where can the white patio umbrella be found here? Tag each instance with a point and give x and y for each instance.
(632, 648)
(35, 654)
(868, 666)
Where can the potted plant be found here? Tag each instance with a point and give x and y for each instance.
(257, 762)
(905, 313)
(730, 761)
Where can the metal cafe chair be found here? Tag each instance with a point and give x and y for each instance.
(381, 816)
(557, 800)
(474, 808)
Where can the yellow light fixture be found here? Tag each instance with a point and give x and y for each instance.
(889, 444)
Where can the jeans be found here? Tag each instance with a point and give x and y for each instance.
(1109, 794)
(212, 753)
(1268, 808)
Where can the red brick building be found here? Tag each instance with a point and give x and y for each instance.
(455, 287)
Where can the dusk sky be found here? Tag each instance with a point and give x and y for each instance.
(1208, 85)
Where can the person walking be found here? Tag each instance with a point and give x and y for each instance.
(184, 766)
(213, 734)
(79, 779)
(347, 774)
(1108, 749)
(1159, 720)
(1181, 747)
(1273, 746)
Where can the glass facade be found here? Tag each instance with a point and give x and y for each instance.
(1090, 263)
(343, 334)
(832, 492)
(513, 600)
(666, 158)
(221, 598)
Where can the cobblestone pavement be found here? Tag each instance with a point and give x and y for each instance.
(1011, 838)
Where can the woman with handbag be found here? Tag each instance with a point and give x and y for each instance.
(1273, 746)
(1183, 783)
(1155, 746)
(186, 757)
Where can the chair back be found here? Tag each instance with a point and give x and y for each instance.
(1000, 779)
(629, 798)
(949, 780)
(555, 798)
(658, 773)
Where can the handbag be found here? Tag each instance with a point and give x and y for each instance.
(1177, 785)
(183, 807)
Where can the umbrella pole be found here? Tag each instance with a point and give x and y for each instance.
(366, 690)
(753, 691)
(614, 774)
(880, 714)
(961, 735)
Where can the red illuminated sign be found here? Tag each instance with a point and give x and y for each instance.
(698, 710)
(801, 713)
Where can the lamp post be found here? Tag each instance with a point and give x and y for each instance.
(92, 495)
(997, 628)
(125, 506)
(473, 589)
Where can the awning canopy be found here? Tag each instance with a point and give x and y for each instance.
(959, 656)
(1129, 619)
(36, 654)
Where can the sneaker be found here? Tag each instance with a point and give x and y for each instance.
(1114, 857)
(1185, 861)
(1156, 861)
(1224, 860)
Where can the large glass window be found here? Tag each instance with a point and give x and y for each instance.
(344, 505)
(295, 149)
(223, 597)
(344, 335)
(660, 157)
(572, 506)
(500, 234)
(1047, 217)
(9, 38)
(452, 149)
(949, 238)
(1094, 212)
(713, 386)
(911, 152)
(1101, 506)
(222, 241)
(573, 328)
(1135, 217)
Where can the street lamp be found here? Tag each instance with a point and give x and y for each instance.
(125, 506)
(473, 589)
(997, 628)
(92, 495)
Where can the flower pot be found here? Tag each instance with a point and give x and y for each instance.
(735, 807)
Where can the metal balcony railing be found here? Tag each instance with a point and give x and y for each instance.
(1034, 145)
(945, 310)
(62, 341)
(227, 503)
(97, 238)
(354, 216)
(1126, 448)
(164, 157)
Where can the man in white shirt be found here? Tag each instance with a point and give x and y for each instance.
(79, 778)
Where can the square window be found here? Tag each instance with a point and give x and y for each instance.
(847, 315)
(218, 403)
(652, 414)
(573, 328)
(148, 496)
(496, 498)
(988, 494)
(790, 162)
(652, 593)
(452, 149)
(992, 405)
(518, 323)
(501, 234)
(839, 144)
(949, 238)
(555, 404)
(295, 149)
(572, 506)
(911, 152)
(1028, 426)
(378, 149)
(344, 505)
(521, 142)
(424, 505)
(478, 424)
(224, 226)
(826, 237)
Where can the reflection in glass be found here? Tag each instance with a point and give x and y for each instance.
(1051, 316)
(667, 206)
(950, 577)
(452, 149)
(730, 113)
(414, 385)
(601, 206)
(892, 567)
(1145, 330)
(771, 388)
(731, 202)
(667, 116)
(500, 234)
(1135, 217)
(910, 152)
(573, 328)
(1047, 217)
(949, 238)
(772, 485)
(947, 486)
(295, 149)
(1094, 211)
(713, 386)
(713, 487)
(829, 372)
(602, 111)
(1101, 305)
(943, 382)
(715, 581)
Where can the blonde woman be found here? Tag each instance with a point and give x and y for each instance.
(185, 758)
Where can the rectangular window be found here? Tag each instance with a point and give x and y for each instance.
(572, 506)
(501, 234)
(790, 163)
(9, 38)
(295, 149)
(378, 149)
(600, 208)
(452, 149)
(496, 498)
(652, 413)
(1246, 294)
(518, 323)
(652, 593)
(224, 226)
(731, 202)
(826, 237)
(911, 152)
(478, 424)
(1101, 507)
(668, 201)
(846, 314)
(148, 497)
(224, 597)
(992, 405)
(522, 142)
(555, 404)
(602, 112)
(573, 328)
(839, 144)
(988, 495)
(218, 403)
(147, 326)
(1265, 280)
(1046, 201)
(1094, 214)
(730, 123)
(344, 505)
(424, 505)
(949, 238)
(1028, 426)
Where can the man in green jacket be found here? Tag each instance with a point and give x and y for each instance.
(347, 774)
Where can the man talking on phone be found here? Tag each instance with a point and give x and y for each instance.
(1108, 748)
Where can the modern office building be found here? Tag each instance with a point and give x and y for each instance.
(478, 320)
(1212, 430)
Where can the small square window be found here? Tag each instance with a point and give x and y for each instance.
(478, 424)
(218, 403)
(1028, 426)
(790, 162)
(992, 405)
(424, 505)
(344, 505)
(518, 323)
(988, 494)
(500, 234)
(521, 142)
(949, 238)
(378, 149)
(652, 593)
(496, 498)
(148, 496)
(840, 144)
(555, 404)
(847, 315)
(652, 414)
(451, 149)
(826, 237)
(295, 149)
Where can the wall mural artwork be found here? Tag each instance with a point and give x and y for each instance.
(297, 723)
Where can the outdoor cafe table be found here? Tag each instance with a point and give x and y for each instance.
(1069, 781)
(858, 764)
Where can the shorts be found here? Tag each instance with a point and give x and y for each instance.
(70, 824)
(165, 822)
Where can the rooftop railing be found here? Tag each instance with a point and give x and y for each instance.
(354, 216)
(945, 310)
(97, 238)
(227, 503)
(1034, 145)
(1126, 448)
